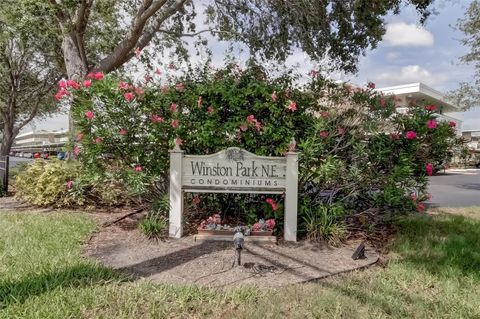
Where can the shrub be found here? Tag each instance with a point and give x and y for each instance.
(355, 149)
(152, 226)
(325, 223)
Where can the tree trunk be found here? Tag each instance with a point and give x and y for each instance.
(9, 134)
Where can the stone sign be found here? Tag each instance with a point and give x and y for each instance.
(233, 170)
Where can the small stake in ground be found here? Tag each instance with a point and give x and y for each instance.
(359, 252)
(238, 242)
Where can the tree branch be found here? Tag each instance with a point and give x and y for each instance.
(192, 34)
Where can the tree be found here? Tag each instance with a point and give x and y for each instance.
(468, 94)
(102, 35)
(26, 86)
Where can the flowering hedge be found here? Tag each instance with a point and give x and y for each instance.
(355, 149)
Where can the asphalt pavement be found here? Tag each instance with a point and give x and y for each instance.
(13, 161)
(455, 188)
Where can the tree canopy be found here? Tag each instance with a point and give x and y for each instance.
(104, 34)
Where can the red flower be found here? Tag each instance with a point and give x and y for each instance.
(98, 140)
(341, 131)
(174, 123)
(138, 168)
(452, 124)
(210, 109)
(73, 84)
(420, 207)
(413, 197)
(251, 119)
(292, 106)
(243, 127)
(371, 85)
(158, 72)
(430, 107)
(323, 134)
(139, 91)
(76, 150)
(87, 83)
(91, 75)
(195, 200)
(324, 114)
(36, 155)
(128, 96)
(269, 201)
(258, 126)
(89, 115)
(123, 132)
(79, 137)
(411, 135)
(432, 123)
(156, 118)
(61, 93)
(382, 102)
(178, 141)
(429, 169)
(274, 96)
(99, 76)
(69, 184)
(256, 227)
(270, 224)
(62, 84)
(173, 107)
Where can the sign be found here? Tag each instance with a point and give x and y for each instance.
(233, 170)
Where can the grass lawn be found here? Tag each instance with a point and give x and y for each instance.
(434, 273)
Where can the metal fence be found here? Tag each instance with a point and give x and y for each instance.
(4, 173)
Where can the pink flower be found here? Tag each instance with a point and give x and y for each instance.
(180, 86)
(341, 131)
(87, 83)
(128, 96)
(98, 140)
(243, 127)
(382, 102)
(258, 126)
(430, 107)
(429, 169)
(79, 137)
(210, 109)
(123, 85)
(256, 227)
(292, 106)
(61, 93)
(62, 84)
(76, 150)
(324, 114)
(173, 107)
(371, 85)
(178, 141)
(73, 84)
(432, 123)
(158, 72)
(138, 51)
(99, 76)
(89, 115)
(199, 101)
(274, 96)
(138, 168)
(420, 207)
(251, 119)
(313, 73)
(452, 124)
(413, 197)
(139, 91)
(323, 134)
(123, 131)
(196, 200)
(156, 118)
(69, 184)
(91, 75)
(411, 135)
(174, 123)
(269, 201)
(270, 224)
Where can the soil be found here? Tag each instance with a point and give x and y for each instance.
(212, 263)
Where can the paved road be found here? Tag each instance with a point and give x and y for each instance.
(456, 188)
(15, 160)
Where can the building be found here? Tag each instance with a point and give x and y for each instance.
(472, 137)
(421, 93)
(40, 140)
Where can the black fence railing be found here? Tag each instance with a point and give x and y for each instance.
(4, 173)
